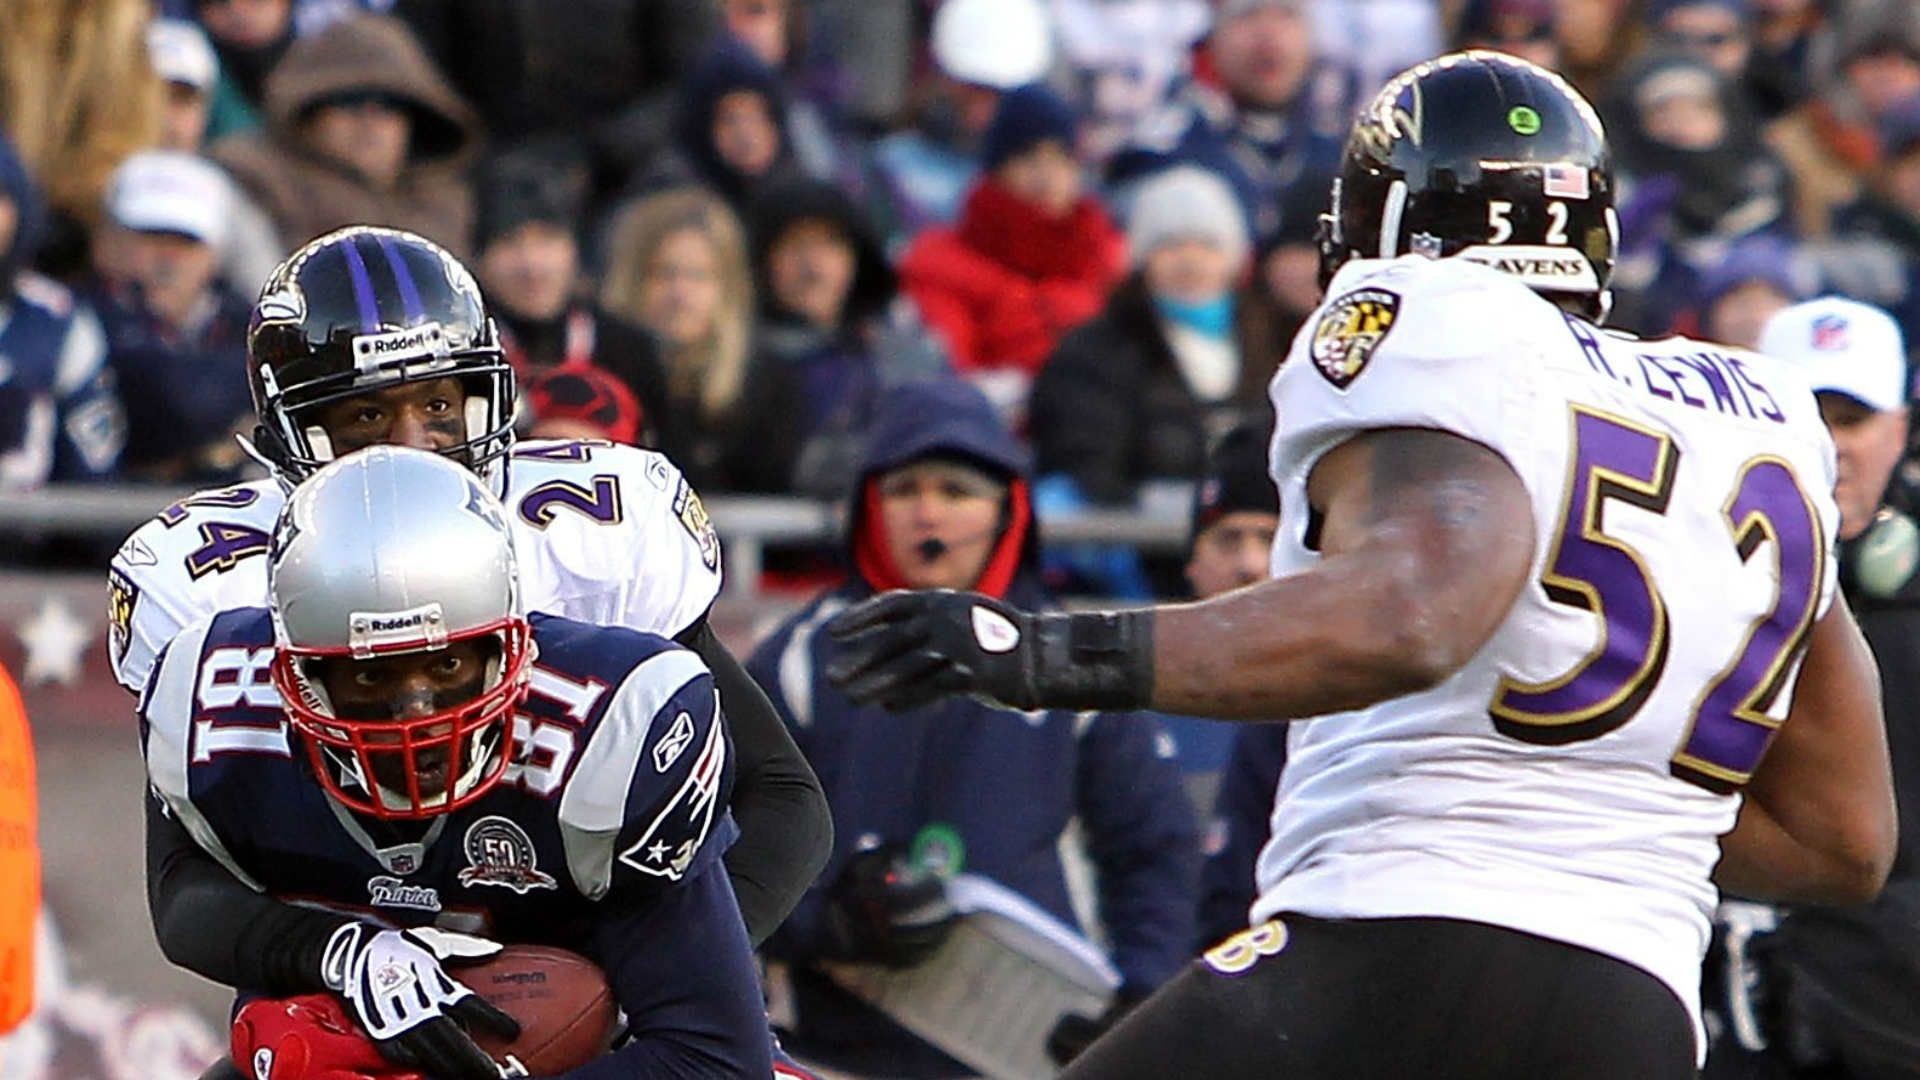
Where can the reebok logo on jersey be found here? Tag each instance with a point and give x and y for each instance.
(673, 744)
(1350, 329)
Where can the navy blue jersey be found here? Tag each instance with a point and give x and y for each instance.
(603, 837)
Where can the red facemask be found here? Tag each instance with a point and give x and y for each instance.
(350, 754)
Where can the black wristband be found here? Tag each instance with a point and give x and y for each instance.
(1094, 660)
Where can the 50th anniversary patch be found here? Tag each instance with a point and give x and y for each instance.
(1349, 331)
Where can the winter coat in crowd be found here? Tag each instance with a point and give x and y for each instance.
(731, 67)
(1114, 407)
(1682, 206)
(307, 194)
(1004, 787)
(185, 390)
(1004, 283)
(1242, 823)
(1261, 153)
(812, 390)
(587, 336)
(60, 414)
(598, 71)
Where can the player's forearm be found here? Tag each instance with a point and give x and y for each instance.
(1761, 860)
(1344, 635)
(212, 924)
(786, 829)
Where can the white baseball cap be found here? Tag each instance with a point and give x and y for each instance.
(997, 43)
(171, 192)
(180, 53)
(1843, 347)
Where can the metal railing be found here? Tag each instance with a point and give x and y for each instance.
(748, 524)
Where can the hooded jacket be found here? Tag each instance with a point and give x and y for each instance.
(307, 194)
(1006, 282)
(730, 68)
(1025, 794)
(60, 413)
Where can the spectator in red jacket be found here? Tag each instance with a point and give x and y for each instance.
(1032, 256)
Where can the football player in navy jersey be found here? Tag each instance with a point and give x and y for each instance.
(429, 772)
(369, 336)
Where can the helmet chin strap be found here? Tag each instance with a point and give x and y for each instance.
(1391, 215)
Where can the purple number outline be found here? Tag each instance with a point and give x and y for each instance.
(223, 545)
(1612, 459)
(576, 450)
(1730, 728)
(602, 504)
(233, 498)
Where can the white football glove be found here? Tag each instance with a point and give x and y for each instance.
(414, 1012)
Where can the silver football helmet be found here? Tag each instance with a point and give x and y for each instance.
(392, 552)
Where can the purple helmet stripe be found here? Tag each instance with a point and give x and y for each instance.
(363, 297)
(410, 303)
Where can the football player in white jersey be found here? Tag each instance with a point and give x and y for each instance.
(371, 336)
(1545, 594)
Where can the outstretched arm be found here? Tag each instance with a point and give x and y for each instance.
(1425, 542)
(1426, 539)
(1819, 823)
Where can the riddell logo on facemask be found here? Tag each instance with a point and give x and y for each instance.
(370, 631)
(420, 342)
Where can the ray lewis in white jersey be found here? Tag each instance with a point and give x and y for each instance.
(1558, 603)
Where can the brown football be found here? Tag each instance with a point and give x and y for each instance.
(561, 999)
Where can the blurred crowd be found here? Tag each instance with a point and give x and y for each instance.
(724, 227)
(1023, 255)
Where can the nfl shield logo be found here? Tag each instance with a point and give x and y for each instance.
(1830, 332)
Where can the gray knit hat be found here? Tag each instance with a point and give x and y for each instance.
(1186, 202)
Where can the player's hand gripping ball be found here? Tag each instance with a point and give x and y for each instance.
(560, 999)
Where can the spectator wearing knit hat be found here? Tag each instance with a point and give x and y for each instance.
(1138, 393)
(176, 331)
(981, 49)
(1758, 277)
(1032, 256)
(529, 266)
(1236, 511)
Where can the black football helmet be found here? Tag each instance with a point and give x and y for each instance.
(1488, 157)
(365, 308)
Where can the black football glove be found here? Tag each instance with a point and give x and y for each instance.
(883, 909)
(417, 1015)
(902, 650)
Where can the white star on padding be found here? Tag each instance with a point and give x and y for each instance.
(657, 852)
(56, 641)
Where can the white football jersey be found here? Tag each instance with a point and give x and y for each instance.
(1573, 779)
(605, 534)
